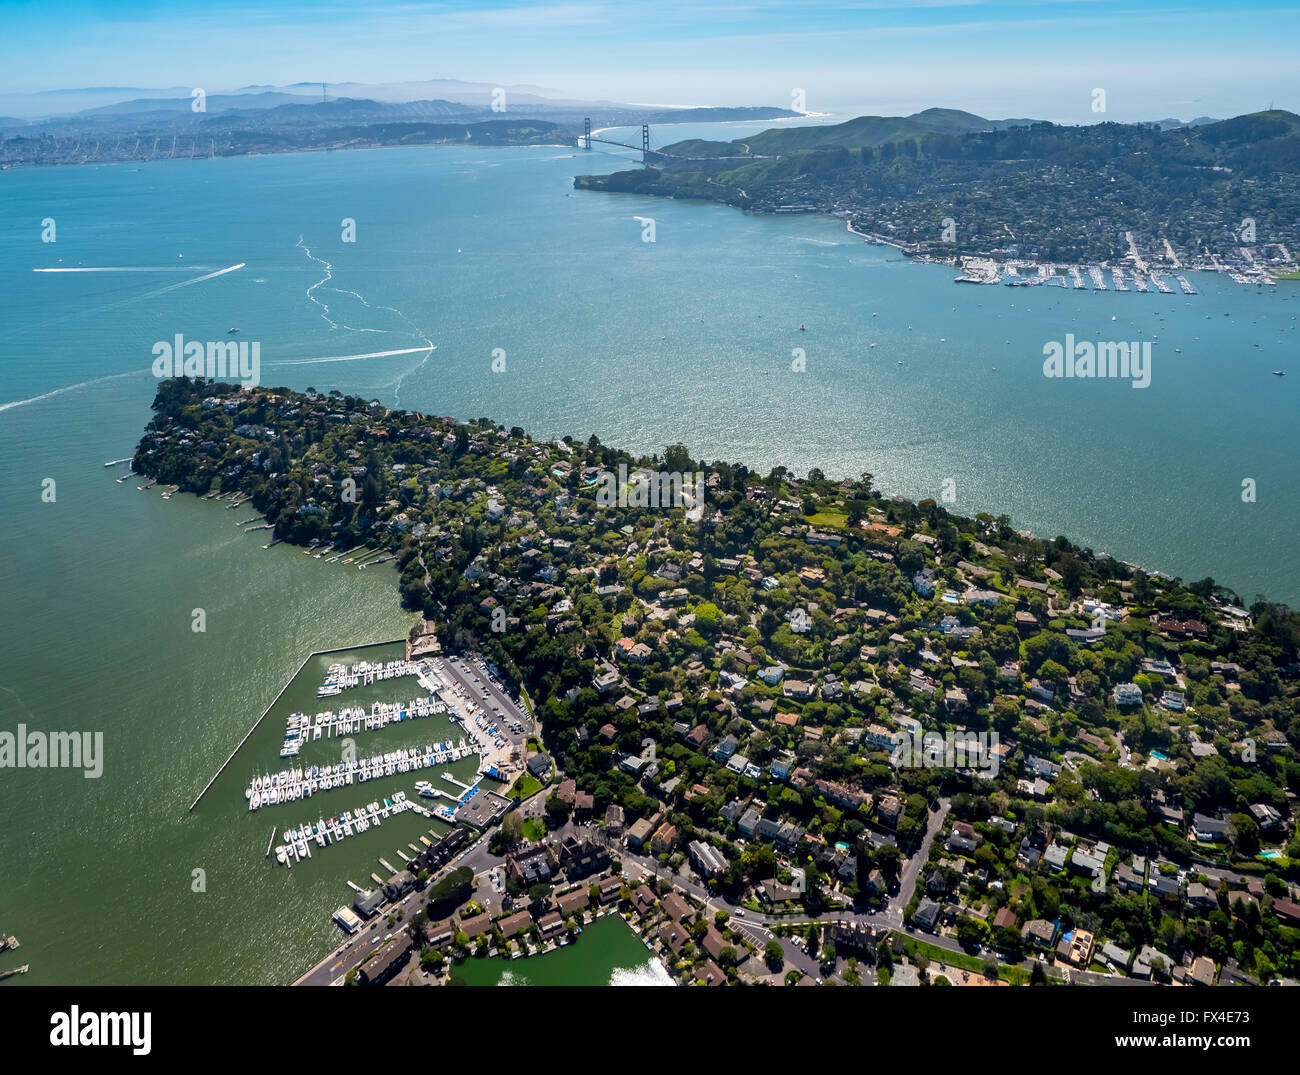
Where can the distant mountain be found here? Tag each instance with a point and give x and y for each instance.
(217, 102)
(347, 110)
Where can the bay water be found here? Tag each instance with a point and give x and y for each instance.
(491, 256)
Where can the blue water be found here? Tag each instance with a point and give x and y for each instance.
(689, 338)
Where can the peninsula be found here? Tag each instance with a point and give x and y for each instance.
(756, 692)
(1014, 195)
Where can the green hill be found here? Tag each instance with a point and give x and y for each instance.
(868, 131)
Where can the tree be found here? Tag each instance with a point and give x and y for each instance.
(773, 956)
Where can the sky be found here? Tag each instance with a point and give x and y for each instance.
(1039, 58)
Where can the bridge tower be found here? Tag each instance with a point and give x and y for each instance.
(645, 143)
(586, 133)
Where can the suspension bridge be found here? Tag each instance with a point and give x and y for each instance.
(647, 154)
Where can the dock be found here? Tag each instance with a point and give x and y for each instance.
(387, 865)
(355, 887)
(377, 879)
(17, 970)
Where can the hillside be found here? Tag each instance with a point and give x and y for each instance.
(870, 131)
(1013, 187)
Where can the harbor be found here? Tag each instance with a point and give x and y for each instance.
(1023, 273)
(300, 728)
(339, 678)
(291, 785)
(326, 831)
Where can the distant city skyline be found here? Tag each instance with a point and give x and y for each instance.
(1038, 58)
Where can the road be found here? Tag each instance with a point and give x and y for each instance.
(756, 926)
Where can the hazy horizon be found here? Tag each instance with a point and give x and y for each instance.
(1014, 58)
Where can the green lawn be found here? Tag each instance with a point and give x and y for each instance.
(534, 829)
(527, 785)
(827, 518)
(961, 960)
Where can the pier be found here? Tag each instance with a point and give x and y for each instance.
(326, 831)
(16, 970)
(314, 653)
(299, 727)
(291, 785)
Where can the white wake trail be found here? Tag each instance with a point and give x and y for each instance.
(429, 346)
(71, 388)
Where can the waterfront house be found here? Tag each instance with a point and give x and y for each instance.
(475, 926)
(367, 903)
(676, 908)
(512, 925)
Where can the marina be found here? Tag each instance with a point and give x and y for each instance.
(326, 831)
(291, 785)
(300, 728)
(340, 678)
(1019, 273)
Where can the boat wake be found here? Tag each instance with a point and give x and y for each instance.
(69, 388)
(412, 329)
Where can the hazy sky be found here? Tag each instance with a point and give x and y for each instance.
(1041, 58)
